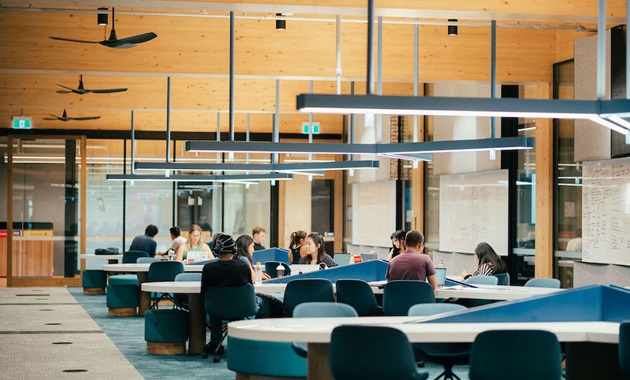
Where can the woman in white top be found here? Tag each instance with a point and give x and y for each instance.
(195, 249)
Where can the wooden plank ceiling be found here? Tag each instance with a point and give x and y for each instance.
(192, 48)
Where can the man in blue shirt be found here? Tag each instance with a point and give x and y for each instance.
(145, 242)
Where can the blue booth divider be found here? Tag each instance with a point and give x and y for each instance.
(595, 303)
(373, 270)
(271, 254)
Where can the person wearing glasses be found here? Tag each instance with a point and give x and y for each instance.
(195, 249)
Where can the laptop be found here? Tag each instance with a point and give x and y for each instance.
(440, 276)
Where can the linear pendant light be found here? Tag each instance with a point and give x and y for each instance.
(168, 166)
(294, 167)
(609, 113)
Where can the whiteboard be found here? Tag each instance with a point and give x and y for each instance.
(606, 212)
(373, 213)
(474, 209)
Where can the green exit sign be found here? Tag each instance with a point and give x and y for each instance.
(305, 127)
(21, 122)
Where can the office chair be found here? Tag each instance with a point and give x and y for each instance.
(515, 355)
(147, 260)
(342, 258)
(399, 296)
(270, 268)
(624, 347)
(228, 303)
(503, 278)
(163, 271)
(543, 283)
(372, 353)
(181, 299)
(319, 310)
(131, 257)
(446, 354)
(307, 290)
(478, 280)
(359, 295)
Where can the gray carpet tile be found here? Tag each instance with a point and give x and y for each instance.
(38, 296)
(46, 318)
(41, 356)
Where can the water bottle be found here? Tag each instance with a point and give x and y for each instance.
(258, 269)
(280, 270)
(440, 263)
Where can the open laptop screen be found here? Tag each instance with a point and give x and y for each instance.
(440, 276)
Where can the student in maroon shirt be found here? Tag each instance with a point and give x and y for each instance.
(412, 264)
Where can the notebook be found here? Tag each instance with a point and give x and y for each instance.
(440, 276)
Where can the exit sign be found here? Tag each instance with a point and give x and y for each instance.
(305, 128)
(20, 122)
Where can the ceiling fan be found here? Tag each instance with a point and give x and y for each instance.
(113, 41)
(82, 90)
(65, 117)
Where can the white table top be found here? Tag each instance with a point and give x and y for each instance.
(194, 287)
(318, 330)
(91, 256)
(143, 267)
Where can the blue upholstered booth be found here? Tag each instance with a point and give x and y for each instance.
(273, 359)
(271, 254)
(373, 270)
(595, 303)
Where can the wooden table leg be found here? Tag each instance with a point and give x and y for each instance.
(144, 298)
(318, 362)
(196, 324)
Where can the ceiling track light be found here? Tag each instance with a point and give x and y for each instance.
(452, 26)
(102, 16)
(281, 24)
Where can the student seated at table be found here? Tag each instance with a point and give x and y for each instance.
(316, 251)
(177, 241)
(412, 264)
(244, 251)
(297, 249)
(488, 262)
(195, 249)
(146, 243)
(398, 244)
(225, 272)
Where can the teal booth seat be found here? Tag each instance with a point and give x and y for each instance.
(373, 270)
(271, 254)
(166, 331)
(93, 281)
(261, 358)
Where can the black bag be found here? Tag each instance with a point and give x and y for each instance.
(106, 251)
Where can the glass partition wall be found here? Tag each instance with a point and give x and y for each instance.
(41, 230)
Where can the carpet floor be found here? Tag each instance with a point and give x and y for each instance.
(128, 335)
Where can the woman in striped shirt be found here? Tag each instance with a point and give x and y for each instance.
(489, 262)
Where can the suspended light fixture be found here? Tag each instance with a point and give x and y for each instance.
(102, 16)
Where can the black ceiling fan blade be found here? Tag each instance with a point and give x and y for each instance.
(73, 40)
(52, 118)
(129, 42)
(108, 90)
(69, 90)
(84, 118)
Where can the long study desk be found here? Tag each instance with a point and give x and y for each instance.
(197, 312)
(317, 331)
